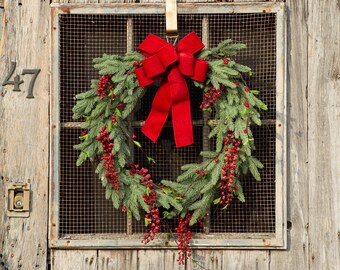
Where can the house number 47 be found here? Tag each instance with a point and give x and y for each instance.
(16, 81)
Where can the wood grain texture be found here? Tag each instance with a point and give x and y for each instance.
(74, 260)
(323, 133)
(117, 260)
(24, 132)
(205, 259)
(245, 259)
(170, 260)
(151, 260)
(297, 254)
(313, 145)
(93, 2)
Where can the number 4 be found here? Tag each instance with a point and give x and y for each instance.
(16, 81)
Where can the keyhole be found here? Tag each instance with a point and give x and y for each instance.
(18, 200)
(18, 204)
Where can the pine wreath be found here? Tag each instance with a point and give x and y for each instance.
(107, 140)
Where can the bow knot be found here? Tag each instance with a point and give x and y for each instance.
(163, 57)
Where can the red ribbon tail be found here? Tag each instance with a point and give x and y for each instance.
(159, 112)
(181, 112)
(182, 124)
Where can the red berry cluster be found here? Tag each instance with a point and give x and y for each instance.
(201, 173)
(114, 119)
(230, 157)
(210, 97)
(102, 86)
(150, 197)
(184, 236)
(107, 145)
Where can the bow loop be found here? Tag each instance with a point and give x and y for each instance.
(153, 66)
(186, 64)
(173, 92)
(167, 55)
(191, 43)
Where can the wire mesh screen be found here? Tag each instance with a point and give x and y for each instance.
(82, 205)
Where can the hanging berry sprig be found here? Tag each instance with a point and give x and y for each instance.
(184, 237)
(108, 157)
(229, 171)
(152, 219)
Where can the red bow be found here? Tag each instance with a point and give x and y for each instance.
(173, 91)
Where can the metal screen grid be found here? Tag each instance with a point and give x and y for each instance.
(83, 208)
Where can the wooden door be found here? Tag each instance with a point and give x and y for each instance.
(24, 131)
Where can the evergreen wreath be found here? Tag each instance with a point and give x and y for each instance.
(107, 140)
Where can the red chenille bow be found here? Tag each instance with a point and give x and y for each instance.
(163, 57)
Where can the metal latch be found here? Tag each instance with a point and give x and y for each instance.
(18, 200)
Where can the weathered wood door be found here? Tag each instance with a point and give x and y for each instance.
(313, 38)
(24, 131)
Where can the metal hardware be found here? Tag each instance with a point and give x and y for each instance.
(171, 17)
(18, 200)
(171, 39)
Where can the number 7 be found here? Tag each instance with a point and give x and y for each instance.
(35, 73)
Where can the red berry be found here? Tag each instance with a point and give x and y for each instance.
(245, 131)
(246, 104)
(236, 83)
(246, 89)
(133, 136)
(114, 119)
(225, 61)
(124, 208)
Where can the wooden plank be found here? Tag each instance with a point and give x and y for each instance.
(1, 22)
(248, 1)
(94, 1)
(323, 133)
(117, 259)
(24, 132)
(297, 254)
(74, 259)
(170, 260)
(240, 260)
(151, 260)
(205, 259)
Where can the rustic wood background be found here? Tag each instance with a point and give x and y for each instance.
(313, 144)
